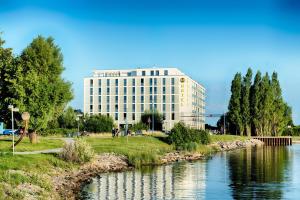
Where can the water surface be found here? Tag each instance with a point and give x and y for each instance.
(257, 173)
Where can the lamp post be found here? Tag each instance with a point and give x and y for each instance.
(77, 119)
(11, 107)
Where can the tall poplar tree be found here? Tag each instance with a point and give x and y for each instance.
(255, 98)
(234, 108)
(245, 103)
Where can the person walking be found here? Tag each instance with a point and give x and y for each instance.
(113, 132)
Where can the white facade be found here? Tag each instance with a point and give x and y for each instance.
(126, 94)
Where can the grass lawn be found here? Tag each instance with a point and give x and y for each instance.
(25, 145)
(139, 149)
(227, 138)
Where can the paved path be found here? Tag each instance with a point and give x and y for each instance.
(57, 150)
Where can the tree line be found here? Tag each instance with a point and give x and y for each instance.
(256, 106)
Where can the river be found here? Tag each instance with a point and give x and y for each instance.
(254, 173)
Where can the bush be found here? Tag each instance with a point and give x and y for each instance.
(99, 123)
(294, 131)
(78, 151)
(57, 131)
(185, 138)
(138, 127)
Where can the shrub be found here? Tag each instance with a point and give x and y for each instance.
(185, 138)
(57, 131)
(99, 123)
(138, 127)
(78, 151)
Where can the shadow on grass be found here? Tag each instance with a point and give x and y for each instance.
(163, 139)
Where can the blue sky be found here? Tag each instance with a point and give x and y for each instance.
(208, 40)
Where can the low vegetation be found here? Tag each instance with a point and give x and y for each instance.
(78, 151)
(185, 138)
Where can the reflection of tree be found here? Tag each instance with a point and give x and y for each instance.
(256, 172)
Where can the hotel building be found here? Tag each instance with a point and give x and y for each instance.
(126, 94)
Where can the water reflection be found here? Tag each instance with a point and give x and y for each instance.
(258, 172)
(178, 181)
(262, 173)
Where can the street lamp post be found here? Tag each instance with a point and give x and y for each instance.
(11, 107)
(77, 119)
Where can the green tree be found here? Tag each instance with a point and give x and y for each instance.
(234, 108)
(7, 63)
(255, 97)
(98, 123)
(148, 116)
(245, 103)
(38, 85)
(68, 119)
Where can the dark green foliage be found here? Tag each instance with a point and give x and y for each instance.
(292, 131)
(259, 108)
(234, 113)
(57, 131)
(185, 138)
(35, 84)
(158, 119)
(138, 127)
(98, 123)
(68, 119)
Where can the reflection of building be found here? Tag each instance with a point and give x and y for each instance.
(165, 182)
(126, 94)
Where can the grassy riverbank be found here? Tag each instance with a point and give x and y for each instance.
(32, 176)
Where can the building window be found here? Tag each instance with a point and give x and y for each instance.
(125, 90)
(91, 99)
(125, 115)
(108, 91)
(150, 99)
(173, 98)
(152, 73)
(99, 82)
(142, 81)
(151, 107)
(155, 90)
(107, 82)
(164, 81)
(157, 72)
(164, 107)
(125, 99)
(116, 107)
(166, 72)
(117, 82)
(164, 99)
(117, 90)
(155, 106)
(173, 81)
(99, 108)
(151, 81)
(142, 90)
(116, 99)
(107, 108)
(142, 107)
(91, 83)
(142, 99)
(173, 107)
(99, 99)
(91, 91)
(155, 81)
(133, 99)
(173, 116)
(133, 116)
(99, 91)
(133, 90)
(133, 82)
(155, 99)
(164, 90)
(91, 108)
(107, 99)
(133, 107)
(116, 116)
(143, 73)
(150, 90)
(125, 82)
(173, 90)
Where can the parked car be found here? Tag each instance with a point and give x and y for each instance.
(9, 132)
